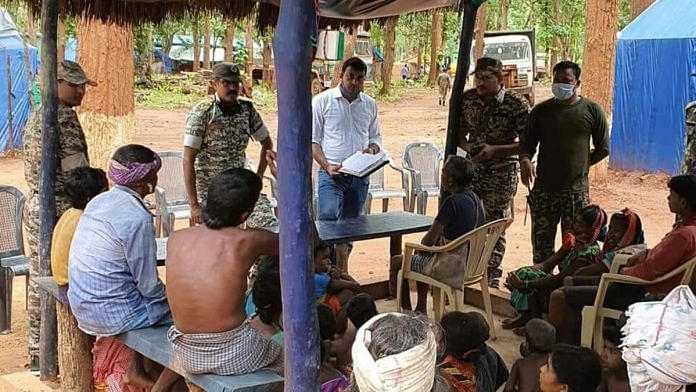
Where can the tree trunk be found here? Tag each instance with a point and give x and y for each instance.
(61, 40)
(229, 42)
(74, 352)
(419, 58)
(435, 44)
(267, 55)
(196, 48)
(250, 46)
(481, 25)
(598, 64)
(348, 52)
(31, 29)
(388, 66)
(206, 43)
(503, 17)
(556, 13)
(638, 6)
(106, 113)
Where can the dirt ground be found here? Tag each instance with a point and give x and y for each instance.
(415, 117)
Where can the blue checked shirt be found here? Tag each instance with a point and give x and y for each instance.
(113, 282)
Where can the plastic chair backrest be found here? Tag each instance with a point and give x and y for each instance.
(11, 212)
(377, 180)
(426, 158)
(171, 177)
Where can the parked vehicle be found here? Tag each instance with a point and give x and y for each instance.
(330, 51)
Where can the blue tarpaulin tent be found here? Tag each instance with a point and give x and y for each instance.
(15, 82)
(655, 60)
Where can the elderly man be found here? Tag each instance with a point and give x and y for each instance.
(492, 120)
(72, 153)
(207, 269)
(562, 128)
(218, 131)
(113, 282)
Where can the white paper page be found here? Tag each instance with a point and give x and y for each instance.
(360, 161)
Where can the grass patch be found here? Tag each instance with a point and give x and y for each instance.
(169, 92)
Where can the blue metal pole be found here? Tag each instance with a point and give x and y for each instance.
(293, 46)
(48, 351)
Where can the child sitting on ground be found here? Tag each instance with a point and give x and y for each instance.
(540, 339)
(332, 286)
(615, 378)
(359, 310)
(470, 365)
(531, 287)
(330, 378)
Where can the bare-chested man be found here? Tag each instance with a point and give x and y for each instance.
(207, 268)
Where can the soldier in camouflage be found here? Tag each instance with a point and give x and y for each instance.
(217, 134)
(689, 162)
(72, 153)
(492, 120)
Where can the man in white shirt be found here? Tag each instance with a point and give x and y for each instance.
(344, 121)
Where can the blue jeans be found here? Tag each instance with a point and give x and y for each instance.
(341, 197)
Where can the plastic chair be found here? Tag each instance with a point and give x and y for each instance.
(593, 316)
(378, 191)
(481, 242)
(171, 200)
(13, 262)
(423, 161)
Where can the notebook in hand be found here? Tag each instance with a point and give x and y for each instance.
(362, 165)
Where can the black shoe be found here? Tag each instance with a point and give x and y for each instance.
(34, 365)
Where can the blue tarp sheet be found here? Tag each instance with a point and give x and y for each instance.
(12, 48)
(655, 60)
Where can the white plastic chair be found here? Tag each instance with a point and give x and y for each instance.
(171, 200)
(13, 262)
(593, 316)
(481, 242)
(378, 191)
(423, 161)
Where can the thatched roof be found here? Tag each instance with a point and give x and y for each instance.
(331, 12)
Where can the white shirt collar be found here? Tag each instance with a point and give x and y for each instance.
(336, 93)
(501, 95)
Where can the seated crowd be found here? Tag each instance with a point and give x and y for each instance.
(225, 319)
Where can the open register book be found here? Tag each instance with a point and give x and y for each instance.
(362, 165)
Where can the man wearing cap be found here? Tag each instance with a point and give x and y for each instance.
(72, 153)
(492, 120)
(561, 128)
(218, 131)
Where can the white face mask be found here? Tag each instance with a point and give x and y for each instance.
(563, 91)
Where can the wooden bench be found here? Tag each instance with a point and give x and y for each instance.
(150, 342)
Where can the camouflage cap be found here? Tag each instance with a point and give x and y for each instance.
(488, 64)
(71, 72)
(227, 71)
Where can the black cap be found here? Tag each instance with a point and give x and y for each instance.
(489, 64)
(227, 71)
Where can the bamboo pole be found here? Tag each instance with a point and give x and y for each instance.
(296, 30)
(464, 59)
(10, 131)
(48, 357)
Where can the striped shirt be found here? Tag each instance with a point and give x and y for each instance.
(113, 282)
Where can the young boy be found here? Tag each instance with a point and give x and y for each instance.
(540, 339)
(470, 364)
(332, 286)
(615, 378)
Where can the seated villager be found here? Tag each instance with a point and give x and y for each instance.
(571, 369)
(330, 378)
(675, 249)
(461, 212)
(470, 365)
(530, 286)
(112, 271)
(624, 236)
(397, 352)
(332, 286)
(615, 378)
(81, 185)
(267, 298)
(360, 309)
(207, 269)
(540, 338)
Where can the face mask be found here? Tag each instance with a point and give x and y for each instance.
(563, 91)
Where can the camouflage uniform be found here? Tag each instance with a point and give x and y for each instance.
(72, 153)
(222, 141)
(547, 209)
(689, 162)
(495, 121)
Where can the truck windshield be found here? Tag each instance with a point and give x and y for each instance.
(507, 51)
